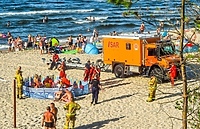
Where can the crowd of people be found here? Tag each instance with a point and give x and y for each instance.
(91, 75)
(81, 41)
(37, 42)
(43, 44)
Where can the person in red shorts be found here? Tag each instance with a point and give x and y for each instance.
(173, 73)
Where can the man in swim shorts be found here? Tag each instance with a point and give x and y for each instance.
(48, 119)
(54, 110)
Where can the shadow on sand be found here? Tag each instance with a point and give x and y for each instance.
(114, 98)
(113, 78)
(99, 124)
(111, 82)
(170, 95)
(121, 84)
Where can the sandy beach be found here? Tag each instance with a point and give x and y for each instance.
(122, 105)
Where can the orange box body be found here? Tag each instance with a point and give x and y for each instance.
(129, 50)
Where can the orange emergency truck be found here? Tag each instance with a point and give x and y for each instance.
(145, 54)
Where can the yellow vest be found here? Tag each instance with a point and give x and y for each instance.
(71, 108)
(19, 79)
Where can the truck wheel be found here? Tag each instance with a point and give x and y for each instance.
(157, 72)
(119, 71)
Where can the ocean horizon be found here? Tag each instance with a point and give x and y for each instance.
(70, 17)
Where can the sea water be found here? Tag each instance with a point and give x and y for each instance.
(69, 17)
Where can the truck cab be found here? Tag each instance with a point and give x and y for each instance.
(158, 59)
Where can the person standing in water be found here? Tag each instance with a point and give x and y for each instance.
(45, 19)
(8, 24)
(142, 28)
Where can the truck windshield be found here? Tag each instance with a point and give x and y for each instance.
(167, 49)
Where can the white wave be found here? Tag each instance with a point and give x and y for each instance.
(100, 0)
(45, 12)
(3, 47)
(74, 18)
(99, 18)
(81, 21)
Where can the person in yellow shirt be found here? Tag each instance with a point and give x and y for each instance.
(71, 108)
(152, 89)
(19, 80)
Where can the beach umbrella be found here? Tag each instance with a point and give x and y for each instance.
(54, 41)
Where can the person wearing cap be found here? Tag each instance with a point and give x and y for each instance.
(71, 108)
(172, 73)
(19, 79)
(152, 89)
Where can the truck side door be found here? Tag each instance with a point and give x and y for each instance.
(150, 56)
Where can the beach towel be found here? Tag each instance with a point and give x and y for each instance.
(69, 52)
